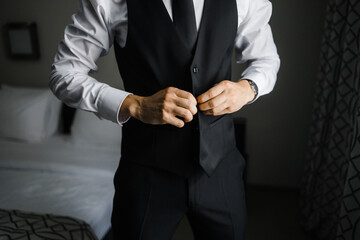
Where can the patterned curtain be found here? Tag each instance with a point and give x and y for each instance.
(330, 196)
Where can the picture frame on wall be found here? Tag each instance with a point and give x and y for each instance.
(21, 40)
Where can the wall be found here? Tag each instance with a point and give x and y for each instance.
(51, 18)
(277, 123)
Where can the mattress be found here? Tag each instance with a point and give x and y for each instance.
(59, 177)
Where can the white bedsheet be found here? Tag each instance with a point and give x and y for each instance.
(61, 178)
(59, 154)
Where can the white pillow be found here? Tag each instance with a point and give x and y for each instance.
(87, 129)
(28, 114)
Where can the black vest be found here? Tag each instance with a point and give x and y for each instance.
(156, 57)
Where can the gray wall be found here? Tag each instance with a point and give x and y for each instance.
(278, 123)
(51, 18)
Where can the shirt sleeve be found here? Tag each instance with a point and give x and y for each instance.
(254, 44)
(88, 37)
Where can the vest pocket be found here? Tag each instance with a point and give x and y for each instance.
(219, 119)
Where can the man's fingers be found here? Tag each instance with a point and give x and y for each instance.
(217, 111)
(183, 113)
(211, 93)
(172, 120)
(186, 95)
(180, 106)
(187, 104)
(176, 122)
(213, 103)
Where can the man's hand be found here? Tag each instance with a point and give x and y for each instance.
(168, 106)
(225, 97)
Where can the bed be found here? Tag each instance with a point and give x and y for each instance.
(56, 180)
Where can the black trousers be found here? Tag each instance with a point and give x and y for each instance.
(149, 203)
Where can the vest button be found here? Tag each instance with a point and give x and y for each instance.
(195, 70)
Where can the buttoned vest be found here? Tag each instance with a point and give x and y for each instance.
(155, 57)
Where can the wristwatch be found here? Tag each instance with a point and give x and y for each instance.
(254, 88)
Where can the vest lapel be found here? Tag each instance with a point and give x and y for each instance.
(166, 16)
(203, 23)
(212, 27)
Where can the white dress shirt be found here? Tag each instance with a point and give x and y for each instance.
(97, 23)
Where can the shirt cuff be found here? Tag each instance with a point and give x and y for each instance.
(109, 105)
(123, 118)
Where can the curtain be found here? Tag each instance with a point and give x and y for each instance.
(330, 194)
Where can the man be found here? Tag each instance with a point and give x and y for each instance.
(178, 151)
